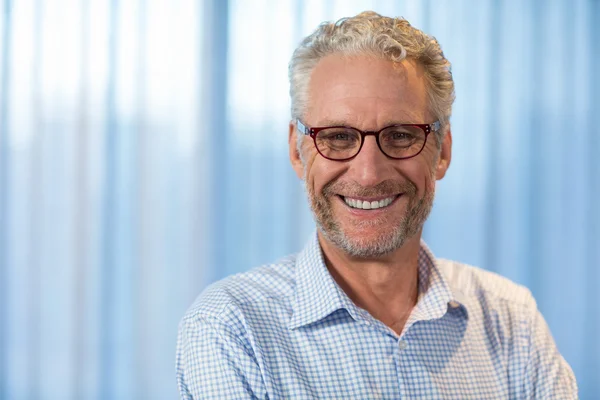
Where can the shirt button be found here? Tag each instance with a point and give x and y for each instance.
(453, 304)
(402, 344)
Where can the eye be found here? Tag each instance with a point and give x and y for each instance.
(401, 139)
(338, 135)
(398, 136)
(337, 140)
(401, 135)
(341, 136)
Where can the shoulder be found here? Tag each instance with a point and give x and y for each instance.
(475, 283)
(507, 315)
(501, 313)
(224, 300)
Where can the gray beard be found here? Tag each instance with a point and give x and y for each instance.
(411, 223)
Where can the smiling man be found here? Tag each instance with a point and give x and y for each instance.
(366, 311)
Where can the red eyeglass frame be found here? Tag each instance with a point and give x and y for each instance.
(312, 132)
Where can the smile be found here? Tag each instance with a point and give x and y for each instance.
(369, 205)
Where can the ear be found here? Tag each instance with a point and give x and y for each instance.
(293, 149)
(445, 156)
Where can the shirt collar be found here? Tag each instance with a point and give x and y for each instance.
(435, 295)
(317, 295)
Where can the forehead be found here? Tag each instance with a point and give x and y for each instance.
(366, 91)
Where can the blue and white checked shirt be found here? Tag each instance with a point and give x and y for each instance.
(288, 331)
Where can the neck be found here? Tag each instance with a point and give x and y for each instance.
(387, 286)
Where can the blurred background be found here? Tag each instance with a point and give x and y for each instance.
(143, 155)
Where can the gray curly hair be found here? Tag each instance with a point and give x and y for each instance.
(370, 33)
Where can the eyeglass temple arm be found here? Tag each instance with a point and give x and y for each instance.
(302, 128)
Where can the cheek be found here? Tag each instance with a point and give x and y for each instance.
(428, 166)
(309, 161)
(422, 174)
(312, 172)
(319, 172)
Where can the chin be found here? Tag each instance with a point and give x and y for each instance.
(368, 243)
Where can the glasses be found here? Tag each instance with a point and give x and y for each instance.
(342, 143)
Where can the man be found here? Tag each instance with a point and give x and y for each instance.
(366, 311)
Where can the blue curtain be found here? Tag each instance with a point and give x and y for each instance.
(143, 155)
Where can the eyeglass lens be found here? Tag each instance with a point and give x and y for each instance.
(394, 141)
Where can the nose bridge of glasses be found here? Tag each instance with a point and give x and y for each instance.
(370, 165)
(371, 145)
(364, 134)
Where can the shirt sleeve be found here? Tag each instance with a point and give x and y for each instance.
(214, 363)
(547, 374)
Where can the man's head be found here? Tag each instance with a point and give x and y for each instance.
(369, 72)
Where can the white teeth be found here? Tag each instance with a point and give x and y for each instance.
(368, 205)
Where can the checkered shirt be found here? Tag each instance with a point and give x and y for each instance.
(288, 331)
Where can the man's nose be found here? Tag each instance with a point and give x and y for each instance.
(370, 166)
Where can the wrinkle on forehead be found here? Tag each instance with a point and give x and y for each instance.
(366, 92)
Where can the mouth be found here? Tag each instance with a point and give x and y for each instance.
(369, 204)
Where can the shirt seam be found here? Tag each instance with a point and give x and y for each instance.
(234, 336)
(473, 293)
(221, 309)
(527, 366)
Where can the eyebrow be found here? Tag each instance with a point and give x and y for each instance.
(329, 122)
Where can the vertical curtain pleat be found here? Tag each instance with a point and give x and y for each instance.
(4, 39)
(589, 106)
(5, 30)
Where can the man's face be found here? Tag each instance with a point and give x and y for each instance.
(369, 93)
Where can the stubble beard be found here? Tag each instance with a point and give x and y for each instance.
(388, 239)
